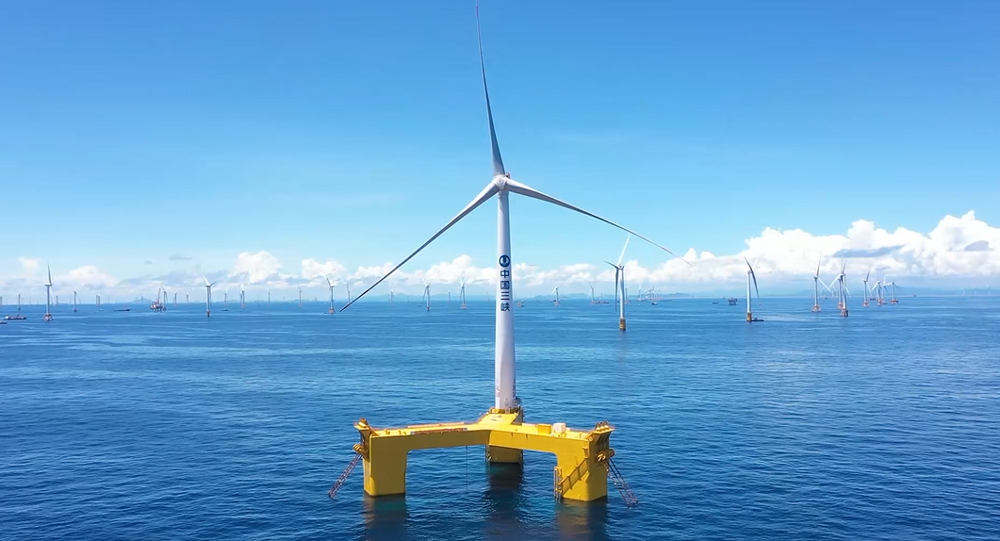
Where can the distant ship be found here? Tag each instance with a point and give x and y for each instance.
(732, 301)
(123, 309)
(15, 317)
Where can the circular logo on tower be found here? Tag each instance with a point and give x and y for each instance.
(505, 261)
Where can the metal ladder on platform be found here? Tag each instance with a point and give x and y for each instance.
(343, 477)
(616, 477)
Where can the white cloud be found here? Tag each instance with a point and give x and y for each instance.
(87, 277)
(313, 270)
(29, 266)
(958, 249)
(254, 268)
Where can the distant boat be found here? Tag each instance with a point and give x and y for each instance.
(15, 317)
(123, 309)
(732, 301)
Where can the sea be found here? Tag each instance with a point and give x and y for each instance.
(144, 426)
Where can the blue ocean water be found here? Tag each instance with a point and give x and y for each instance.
(884, 425)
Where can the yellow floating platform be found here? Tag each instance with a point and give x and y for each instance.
(581, 471)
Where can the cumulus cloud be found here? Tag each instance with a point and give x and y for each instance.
(255, 268)
(314, 270)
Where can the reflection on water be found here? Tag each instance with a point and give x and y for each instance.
(503, 501)
(385, 518)
(582, 520)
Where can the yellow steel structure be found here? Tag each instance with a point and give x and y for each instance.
(581, 471)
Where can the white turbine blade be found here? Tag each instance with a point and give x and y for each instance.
(50, 274)
(484, 195)
(817, 267)
(328, 281)
(628, 238)
(519, 188)
(205, 279)
(612, 264)
(498, 169)
(754, 276)
(213, 283)
(825, 286)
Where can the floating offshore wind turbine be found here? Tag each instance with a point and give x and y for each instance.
(751, 276)
(332, 309)
(48, 290)
(208, 295)
(175, 299)
(300, 296)
(593, 299)
(501, 185)
(225, 300)
(426, 298)
(461, 293)
(243, 296)
(74, 301)
(816, 307)
(555, 301)
(893, 300)
(619, 285)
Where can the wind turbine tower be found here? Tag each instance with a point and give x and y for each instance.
(427, 296)
(332, 310)
(816, 307)
(300, 296)
(842, 290)
(864, 303)
(208, 296)
(48, 291)
(620, 291)
(461, 294)
(583, 458)
(243, 296)
(74, 301)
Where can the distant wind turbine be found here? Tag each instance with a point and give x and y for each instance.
(208, 296)
(48, 290)
(842, 290)
(751, 276)
(816, 307)
(864, 304)
(74, 301)
(620, 296)
(332, 310)
(243, 296)
(427, 295)
(461, 293)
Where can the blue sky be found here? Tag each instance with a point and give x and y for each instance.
(352, 131)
